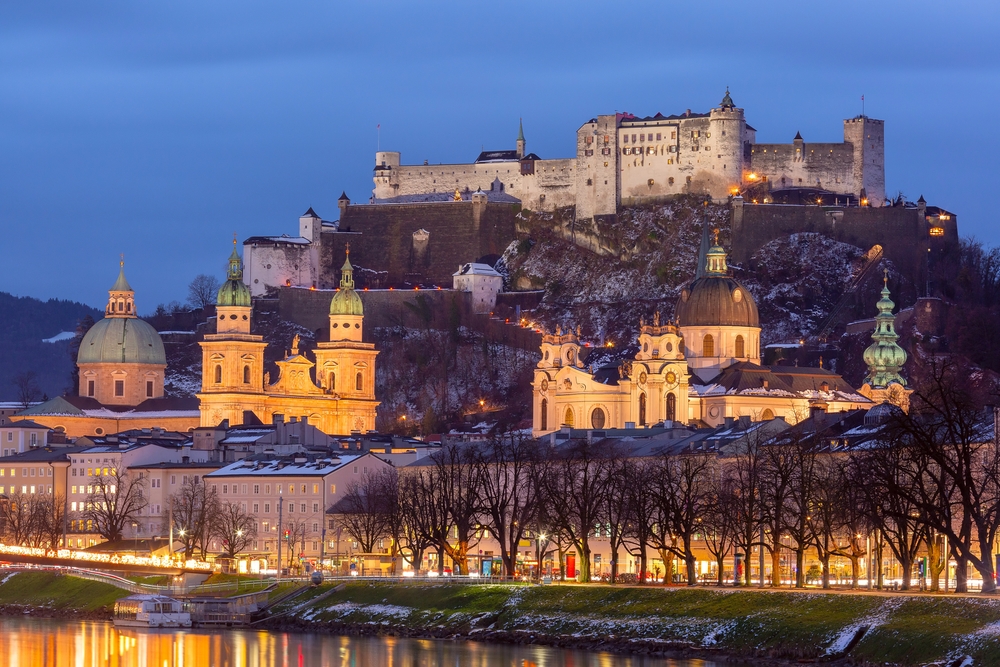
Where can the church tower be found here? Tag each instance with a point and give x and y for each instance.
(232, 359)
(345, 365)
(885, 358)
(520, 140)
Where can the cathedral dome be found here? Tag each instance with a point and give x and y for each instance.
(234, 291)
(122, 340)
(716, 299)
(346, 301)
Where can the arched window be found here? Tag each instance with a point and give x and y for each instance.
(642, 409)
(332, 381)
(767, 415)
(597, 418)
(740, 351)
(545, 415)
(358, 382)
(246, 375)
(569, 417)
(218, 374)
(671, 407)
(708, 346)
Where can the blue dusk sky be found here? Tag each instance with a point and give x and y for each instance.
(157, 129)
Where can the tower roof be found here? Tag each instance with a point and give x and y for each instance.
(715, 298)
(343, 196)
(885, 358)
(727, 101)
(310, 213)
(520, 129)
(121, 285)
(346, 301)
(234, 291)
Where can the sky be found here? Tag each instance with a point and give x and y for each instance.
(159, 130)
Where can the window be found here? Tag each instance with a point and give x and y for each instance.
(333, 489)
(90, 390)
(246, 375)
(256, 508)
(545, 415)
(149, 389)
(767, 415)
(218, 374)
(358, 382)
(315, 509)
(302, 508)
(597, 418)
(291, 507)
(568, 421)
(173, 479)
(256, 488)
(625, 139)
(332, 381)
(740, 347)
(315, 488)
(671, 407)
(708, 346)
(119, 387)
(642, 409)
(267, 509)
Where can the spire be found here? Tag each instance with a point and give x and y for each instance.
(121, 296)
(347, 271)
(885, 358)
(520, 129)
(727, 101)
(235, 263)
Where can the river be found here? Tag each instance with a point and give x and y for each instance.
(30, 642)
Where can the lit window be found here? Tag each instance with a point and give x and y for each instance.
(937, 231)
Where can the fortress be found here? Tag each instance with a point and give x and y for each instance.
(622, 159)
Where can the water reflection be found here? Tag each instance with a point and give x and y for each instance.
(50, 643)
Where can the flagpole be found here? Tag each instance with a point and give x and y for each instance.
(378, 139)
(862, 106)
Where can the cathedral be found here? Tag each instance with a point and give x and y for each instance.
(340, 399)
(700, 370)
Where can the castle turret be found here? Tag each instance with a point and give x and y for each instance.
(728, 134)
(867, 136)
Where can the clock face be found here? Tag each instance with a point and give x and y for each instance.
(642, 377)
(671, 377)
(545, 385)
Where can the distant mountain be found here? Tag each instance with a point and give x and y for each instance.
(36, 336)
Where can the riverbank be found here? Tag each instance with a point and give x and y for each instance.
(738, 624)
(734, 624)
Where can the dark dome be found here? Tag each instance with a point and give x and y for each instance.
(716, 301)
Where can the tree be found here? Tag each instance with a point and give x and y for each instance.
(419, 513)
(779, 466)
(684, 495)
(117, 500)
(26, 386)
(233, 527)
(203, 291)
(509, 474)
(364, 511)
(719, 523)
(20, 518)
(575, 485)
(456, 484)
(194, 507)
(642, 512)
(52, 520)
(746, 470)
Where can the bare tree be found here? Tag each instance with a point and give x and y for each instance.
(194, 506)
(26, 386)
(642, 512)
(719, 523)
(420, 515)
(746, 469)
(685, 492)
(52, 520)
(364, 512)
(779, 467)
(509, 474)
(233, 527)
(117, 500)
(575, 486)
(456, 485)
(203, 291)
(21, 519)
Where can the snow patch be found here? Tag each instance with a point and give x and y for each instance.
(8, 578)
(64, 335)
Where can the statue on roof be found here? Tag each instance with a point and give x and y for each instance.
(458, 195)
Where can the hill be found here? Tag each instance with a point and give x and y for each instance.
(36, 336)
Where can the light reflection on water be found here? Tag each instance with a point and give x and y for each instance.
(52, 643)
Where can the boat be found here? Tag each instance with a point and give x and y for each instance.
(151, 611)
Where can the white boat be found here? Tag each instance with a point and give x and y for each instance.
(151, 611)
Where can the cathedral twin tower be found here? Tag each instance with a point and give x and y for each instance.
(340, 400)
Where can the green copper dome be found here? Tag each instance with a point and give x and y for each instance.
(346, 301)
(885, 358)
(122, 340)
(234, 291)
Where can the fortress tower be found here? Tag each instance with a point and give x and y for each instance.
(867, 137)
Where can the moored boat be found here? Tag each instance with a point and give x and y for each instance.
(151, 611)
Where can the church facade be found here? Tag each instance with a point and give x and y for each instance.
(335, 393)
(701, 370)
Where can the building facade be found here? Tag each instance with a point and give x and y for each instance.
(701, 370)
(335, 393)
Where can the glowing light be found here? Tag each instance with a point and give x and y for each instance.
(114, 559)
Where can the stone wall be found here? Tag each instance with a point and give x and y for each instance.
(388, 239)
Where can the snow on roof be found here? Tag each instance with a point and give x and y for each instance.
(476, 269)
(284, 238)
(284, 467)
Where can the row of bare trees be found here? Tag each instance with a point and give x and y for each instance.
(928, 479)
(119, 499)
